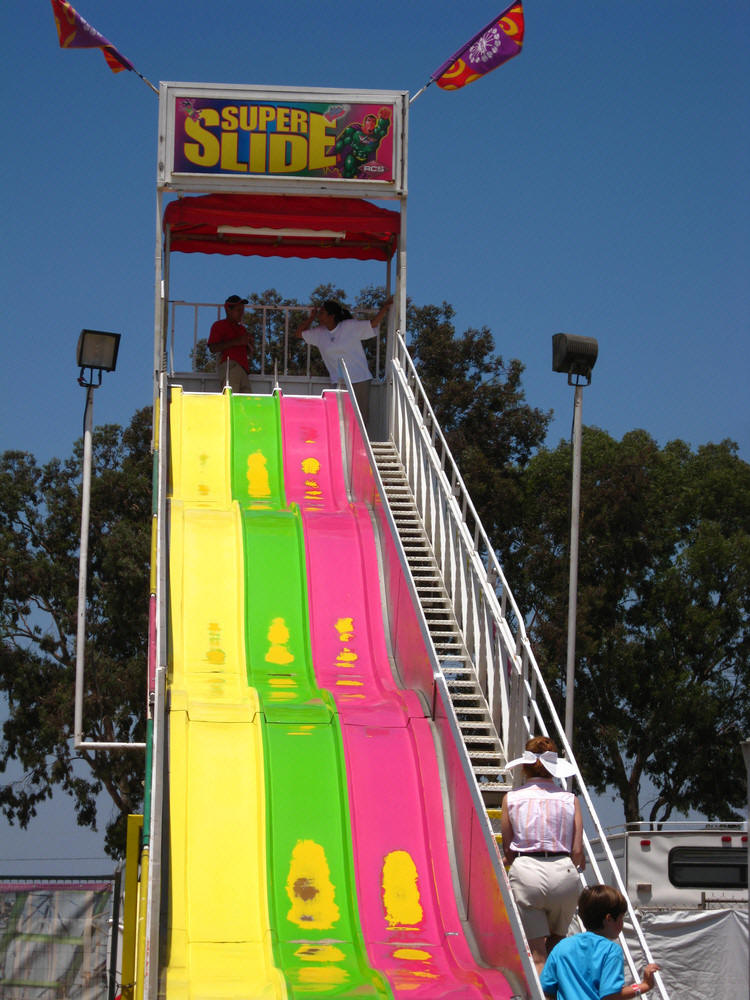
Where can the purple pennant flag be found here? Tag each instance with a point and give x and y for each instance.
(74, 32)
(495, 44)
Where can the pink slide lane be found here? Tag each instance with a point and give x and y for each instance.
(313, 469)
(406, 895)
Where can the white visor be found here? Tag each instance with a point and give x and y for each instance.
(558, 767)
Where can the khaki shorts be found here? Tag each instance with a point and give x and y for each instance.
(546, 891)
(362, 392)
(236, 376)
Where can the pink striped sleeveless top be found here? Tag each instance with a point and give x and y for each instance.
(541, 815)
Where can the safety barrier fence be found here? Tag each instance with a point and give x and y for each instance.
(276, 348)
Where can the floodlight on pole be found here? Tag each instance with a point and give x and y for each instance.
(96, 353)
(576, 357)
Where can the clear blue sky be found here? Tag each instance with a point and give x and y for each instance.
(597, 184)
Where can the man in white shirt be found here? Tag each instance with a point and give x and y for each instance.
(339, 337)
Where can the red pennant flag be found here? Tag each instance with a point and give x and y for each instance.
(495, 44)
(75, 32)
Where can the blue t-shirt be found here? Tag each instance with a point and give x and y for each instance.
(585, 966)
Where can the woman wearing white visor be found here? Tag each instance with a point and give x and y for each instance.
(542, 832)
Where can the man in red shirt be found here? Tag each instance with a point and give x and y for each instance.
(229, 341)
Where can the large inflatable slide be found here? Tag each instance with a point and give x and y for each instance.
(337, 669)
(306, 822)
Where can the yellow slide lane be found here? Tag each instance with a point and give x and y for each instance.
(218, 926)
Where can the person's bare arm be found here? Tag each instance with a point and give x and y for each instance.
(306, 323)
(507, 833)
(576, 851)
(646, 983)
(222, 345)
(378, 318)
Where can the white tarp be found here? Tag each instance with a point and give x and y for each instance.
(703, 953)
(53, 941)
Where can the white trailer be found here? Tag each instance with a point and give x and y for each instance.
(681, 865)
(688, 885)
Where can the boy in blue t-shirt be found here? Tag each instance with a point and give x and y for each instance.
(589, 966)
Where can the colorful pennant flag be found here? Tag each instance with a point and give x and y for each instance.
(76, 33)
(495, 44)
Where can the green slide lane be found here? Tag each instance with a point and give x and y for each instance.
(277, 636)
(257, 469)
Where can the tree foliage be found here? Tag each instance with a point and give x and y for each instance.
(664, 576)
(480, 404)
(40, 511)
(662, 667)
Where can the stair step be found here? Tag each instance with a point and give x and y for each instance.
(482, 745)
(492, 759)
(490, 772)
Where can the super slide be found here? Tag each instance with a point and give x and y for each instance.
(305, 824)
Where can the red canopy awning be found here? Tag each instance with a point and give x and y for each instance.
(282, 226)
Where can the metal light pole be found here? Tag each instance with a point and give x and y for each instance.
(96, 353)
(83, 557)
(576, 356)
(745, 744)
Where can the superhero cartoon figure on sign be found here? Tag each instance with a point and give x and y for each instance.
(358, 144)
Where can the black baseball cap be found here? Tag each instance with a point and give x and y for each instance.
(234, 300)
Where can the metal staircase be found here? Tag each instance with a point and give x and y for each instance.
(480, 737)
